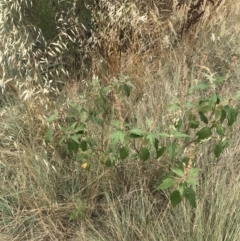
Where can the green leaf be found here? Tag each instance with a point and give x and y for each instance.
(167, 183)
(219, 80)
(200, 86)
(105, 90)
(232, 114)
(52, 118)
(72, 146)
(223, 116)
(71, 127)
(80, 129)
(48, 136)
(213, 100)
(193, 172)
(118, 136)
(190, 195)
(127, 90)
(217, 113)
(129, 83)
(109, 162)
(124, 151)
(164, 135)
(89, 142)
(178, 171)
(181, 189)
(74, 216)
(178, 134)
(136, 133)
(175, 198)
(83, 145)
(220, 130)
(204, 108)
(191, 181)
(218, 149)
(153, 140)
(203, 117)
(173, 107)
(189, 105)
(172, 147)
(204, 133)
(76, 138)
(194, 124)
(144, 154)
(161, 151)
(227, 142)
(178, 124)
(203, 101)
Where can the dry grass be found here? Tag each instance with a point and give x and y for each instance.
(41, 186)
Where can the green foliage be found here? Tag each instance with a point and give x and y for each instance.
(79, 212)
(203, 120)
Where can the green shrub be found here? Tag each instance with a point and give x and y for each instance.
(199, 117)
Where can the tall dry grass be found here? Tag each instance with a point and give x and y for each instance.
(158, 47)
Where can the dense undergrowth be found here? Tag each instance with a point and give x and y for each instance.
(113, 113)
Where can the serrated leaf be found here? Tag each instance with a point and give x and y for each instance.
(203, 117)
(172, 147)
(161, 151)
(144, 154)
(153, 140)
(167, 183)
(190, 195)
(175, 198)
(204, 133)
(191, 181)
(213, 100)
(200, 86)
(123, 152)
(117, 136)
(178, 171)
(232, 114)
(193, 172)
(136, 133)
(181, 189)
(173, 107)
